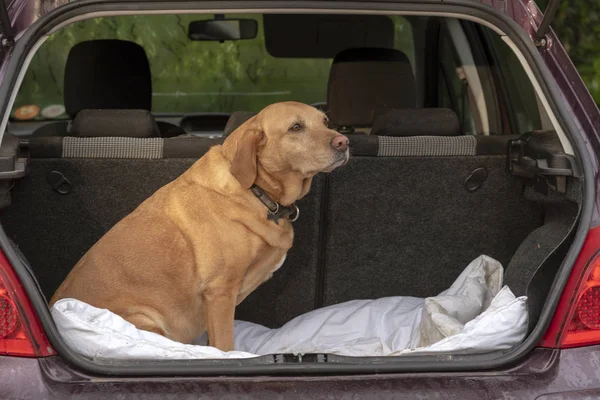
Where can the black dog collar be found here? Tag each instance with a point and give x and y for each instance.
(275, 210)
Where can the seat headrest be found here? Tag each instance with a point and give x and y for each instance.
(107, 74)
(115, 123)
(236, 120)
(364, 80)
(416, 122)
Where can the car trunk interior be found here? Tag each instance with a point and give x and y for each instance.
(380, 226)
(394, 221)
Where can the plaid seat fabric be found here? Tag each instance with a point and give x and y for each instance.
(424, 146)
(112, 147)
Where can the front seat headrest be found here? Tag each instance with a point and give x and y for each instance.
(107, 74)
(364, 80)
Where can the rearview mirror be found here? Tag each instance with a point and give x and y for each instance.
(223, 29)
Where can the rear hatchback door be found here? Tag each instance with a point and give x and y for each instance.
(541, 371)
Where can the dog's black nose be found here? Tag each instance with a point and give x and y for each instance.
(340, 142)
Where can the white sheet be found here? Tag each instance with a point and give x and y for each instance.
(476, 314)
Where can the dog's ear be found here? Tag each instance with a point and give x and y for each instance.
(243, 165)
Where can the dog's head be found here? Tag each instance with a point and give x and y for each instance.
(286, 137)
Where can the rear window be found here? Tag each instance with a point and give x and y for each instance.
(187, 76)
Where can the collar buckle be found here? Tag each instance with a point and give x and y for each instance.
(275, 211)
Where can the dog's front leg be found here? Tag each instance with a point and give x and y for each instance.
(219, 310)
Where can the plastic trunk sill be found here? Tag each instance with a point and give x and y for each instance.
(266, 365)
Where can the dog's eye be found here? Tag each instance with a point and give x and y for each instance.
(296, 128)
(326, 121)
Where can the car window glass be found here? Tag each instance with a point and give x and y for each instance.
(519, 97)
(188, 76)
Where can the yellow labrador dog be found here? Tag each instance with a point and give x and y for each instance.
(180, 263)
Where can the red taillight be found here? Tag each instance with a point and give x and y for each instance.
(588, 309)
(20, 331)
(9, 318)
(577, 319)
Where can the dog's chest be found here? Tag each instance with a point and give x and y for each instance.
(279, 264)
(270, 271)
(258, 275)
(266, 271)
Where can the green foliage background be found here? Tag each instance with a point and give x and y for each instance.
(577, 24)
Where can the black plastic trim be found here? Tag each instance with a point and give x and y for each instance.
(335, 365)
(432, 65)
(547, 19)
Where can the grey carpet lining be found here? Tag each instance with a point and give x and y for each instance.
(533, 267)
(409, 226)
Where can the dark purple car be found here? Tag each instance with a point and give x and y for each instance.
(471, 133)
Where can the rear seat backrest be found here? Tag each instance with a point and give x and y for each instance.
(55, 225)
(120, 147)
(365, 80)
(431, 222)
(409, 225)
(427, 146)
(382, 225)
(425, 132)
(123, 141)
(133, 168)
(424, 200)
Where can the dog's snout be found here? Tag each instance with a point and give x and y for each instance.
(340, 142)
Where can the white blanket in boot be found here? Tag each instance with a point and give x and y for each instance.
(476, 314)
